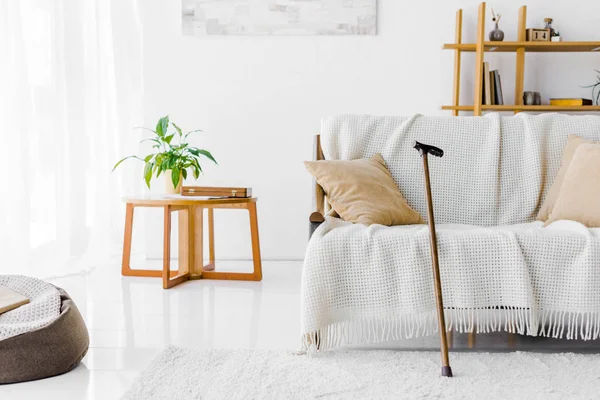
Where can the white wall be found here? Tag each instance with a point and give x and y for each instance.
(260, 99)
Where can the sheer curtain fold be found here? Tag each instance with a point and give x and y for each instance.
(71, 74)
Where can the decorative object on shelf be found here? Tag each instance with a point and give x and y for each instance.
(281, 17)
(571, 102)
(496, 35)
(557, 37)
(538, 35)
(532, 99)
(548, 25)
(203, 191)
(528, 98)
(594, 87)
(173, 159)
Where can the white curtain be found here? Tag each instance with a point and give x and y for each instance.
(70, 93)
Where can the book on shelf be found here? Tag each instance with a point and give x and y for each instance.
(499, 97)
(9, 299)
(487, 85)
(571, 102)
(493, 87)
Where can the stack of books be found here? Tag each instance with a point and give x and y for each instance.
(492, 87)
(571, 102)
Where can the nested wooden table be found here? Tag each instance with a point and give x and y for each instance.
(191, 239)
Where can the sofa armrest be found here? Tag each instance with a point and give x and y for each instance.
(318, 215)
(314, 221)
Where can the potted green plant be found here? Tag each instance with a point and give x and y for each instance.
(175, 160)
(594, 87)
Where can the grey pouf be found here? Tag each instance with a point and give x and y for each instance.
(48, 351)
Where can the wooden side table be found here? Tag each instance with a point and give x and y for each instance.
(191, 239)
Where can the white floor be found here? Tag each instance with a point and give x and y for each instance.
(131, 319)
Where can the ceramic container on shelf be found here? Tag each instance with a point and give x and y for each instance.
(528, 98)
(496, 35)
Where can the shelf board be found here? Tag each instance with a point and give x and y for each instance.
(541, 108)
(539, 47)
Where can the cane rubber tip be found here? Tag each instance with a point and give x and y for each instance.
(447, 371)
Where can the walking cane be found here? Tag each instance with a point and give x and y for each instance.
(425, 149)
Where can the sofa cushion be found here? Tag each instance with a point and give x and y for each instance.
(363, 191)
(572, 145)
(579, 197)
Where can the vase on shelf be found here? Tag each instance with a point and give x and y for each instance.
(496, 35)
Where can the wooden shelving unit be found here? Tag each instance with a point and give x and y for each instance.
(520, 47)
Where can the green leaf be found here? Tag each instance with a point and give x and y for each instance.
(207, 154)
(178, 129)
(169, 138)
(184, 173)
(197, 165)
(196, 172)
(150, 140)
(190, 132)
(149, 157)
(123, 159)
(148, 173)
(175, 175)
(162, 126)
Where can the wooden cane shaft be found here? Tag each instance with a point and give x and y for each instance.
(436, 267)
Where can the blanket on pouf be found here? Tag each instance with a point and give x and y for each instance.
(500, 270)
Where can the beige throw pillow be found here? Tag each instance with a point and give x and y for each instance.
(363, 191)
(579, 197)
(572, 144)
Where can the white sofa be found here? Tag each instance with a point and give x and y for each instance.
(501, 269)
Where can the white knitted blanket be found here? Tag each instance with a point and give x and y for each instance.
(500, 270)
(42, 309)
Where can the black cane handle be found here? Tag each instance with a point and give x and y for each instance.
(428, 149)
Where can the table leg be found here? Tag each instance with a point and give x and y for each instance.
(242, 276)
(125, 264)
(255, 242)
(211, 241)
(197, 241)
(166, 247)
(169, 282)
(186, 240)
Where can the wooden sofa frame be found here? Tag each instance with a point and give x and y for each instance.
(320, 205)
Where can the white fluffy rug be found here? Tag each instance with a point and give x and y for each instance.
(355, 374)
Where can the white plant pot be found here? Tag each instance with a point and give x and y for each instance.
(169, 188)
(556, 38)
